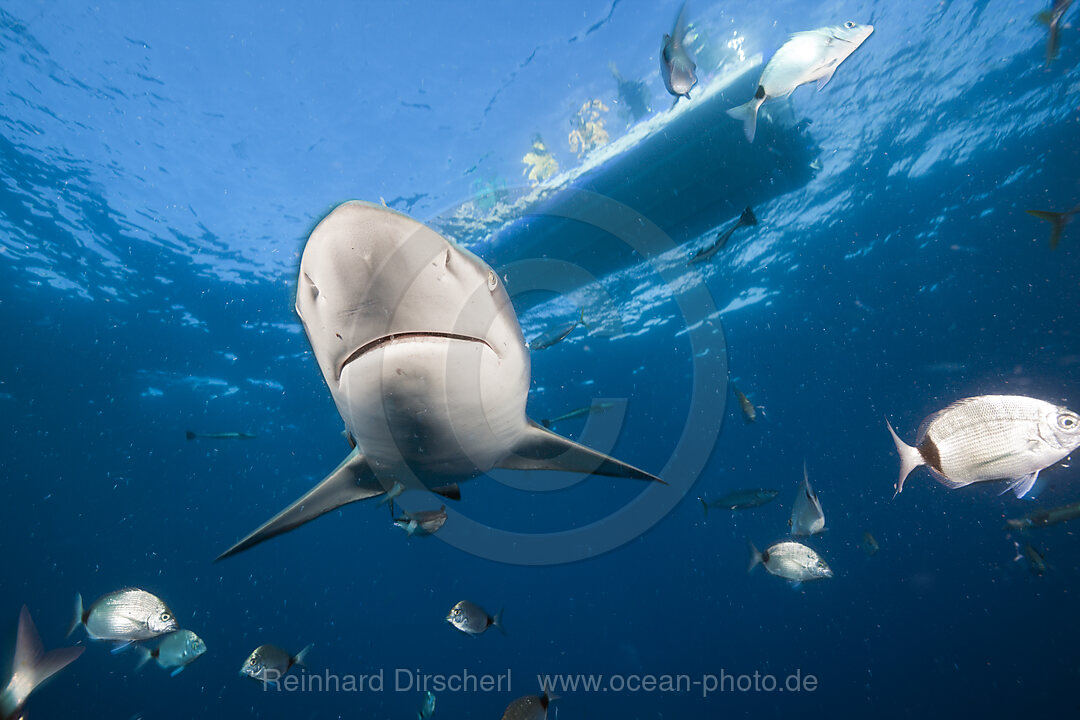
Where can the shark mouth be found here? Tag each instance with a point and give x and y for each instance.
(396, 337)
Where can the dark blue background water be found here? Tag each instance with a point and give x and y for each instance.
(160, 169)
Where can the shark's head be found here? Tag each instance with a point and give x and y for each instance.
(370, 275)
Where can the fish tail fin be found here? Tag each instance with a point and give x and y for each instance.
(748, 217)
(32, 665)
(910, 458)
(1057, 222)
(301, 657)
(747, 114)
(144, 657)
(582, 320)
(755, 555)
(191, 435)
(78, 617)
(497, 621)
(704, 505)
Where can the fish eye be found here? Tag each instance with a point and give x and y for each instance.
(165, 617)
(849, 25)
(493, 280)
(1067, 422)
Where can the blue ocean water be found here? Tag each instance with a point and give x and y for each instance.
(162, 166)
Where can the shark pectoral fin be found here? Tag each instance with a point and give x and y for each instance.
(542, 449)
(351, 481)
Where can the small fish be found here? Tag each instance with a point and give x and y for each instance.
(1057, 220)
(471, 619)
(1052, 19)
(633, 96)
(676, 66)
(31, 667)
(990, 437)
(530, 707)
(596, 407)
(747, 407)
(870, 544)
(805, 57)
(790, 560)
(557, 334)
(220, 436)
(175, 652)
(268, 663)
(128, 615)
(427, 710)
(740, 500)
(425, 522)
(1036, 561)
(1045, 518)
(392, 494)
(747, 219)
(807, 517)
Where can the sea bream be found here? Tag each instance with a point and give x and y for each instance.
(790, 560)
(676, 67)
(805, 57)
(807, 517)
(990, 437)
(124, 616)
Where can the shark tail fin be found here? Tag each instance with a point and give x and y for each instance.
(1057, 222)
(32, 665)
(748, 218)
(542, 449)
(747, 114)
(351, 481)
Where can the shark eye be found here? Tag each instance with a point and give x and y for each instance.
(849, 25)
(493, 280)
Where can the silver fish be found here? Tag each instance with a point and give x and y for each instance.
(1045, 518)
(805, 57)
(471, 619)
(425, 522)
(1036, 561)
(807, 517)
(596, 407)
(175, 652)
(791, 561)
(740, 500)
(127, 615)
(220, 436)
(268, 663)
(31, 667)
(555, 335)
(870, 544)
(530, 707)
(747, 219)
(990, 437)
(427, 710)
(676, 67)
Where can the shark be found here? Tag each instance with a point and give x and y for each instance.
(421, 349)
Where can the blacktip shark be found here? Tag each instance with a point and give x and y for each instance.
(423, 355)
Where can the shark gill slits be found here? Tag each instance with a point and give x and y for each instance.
(930, 454)
(760, 92)
(446, 262)
(314, 288)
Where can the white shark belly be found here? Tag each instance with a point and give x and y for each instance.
(444, 407)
